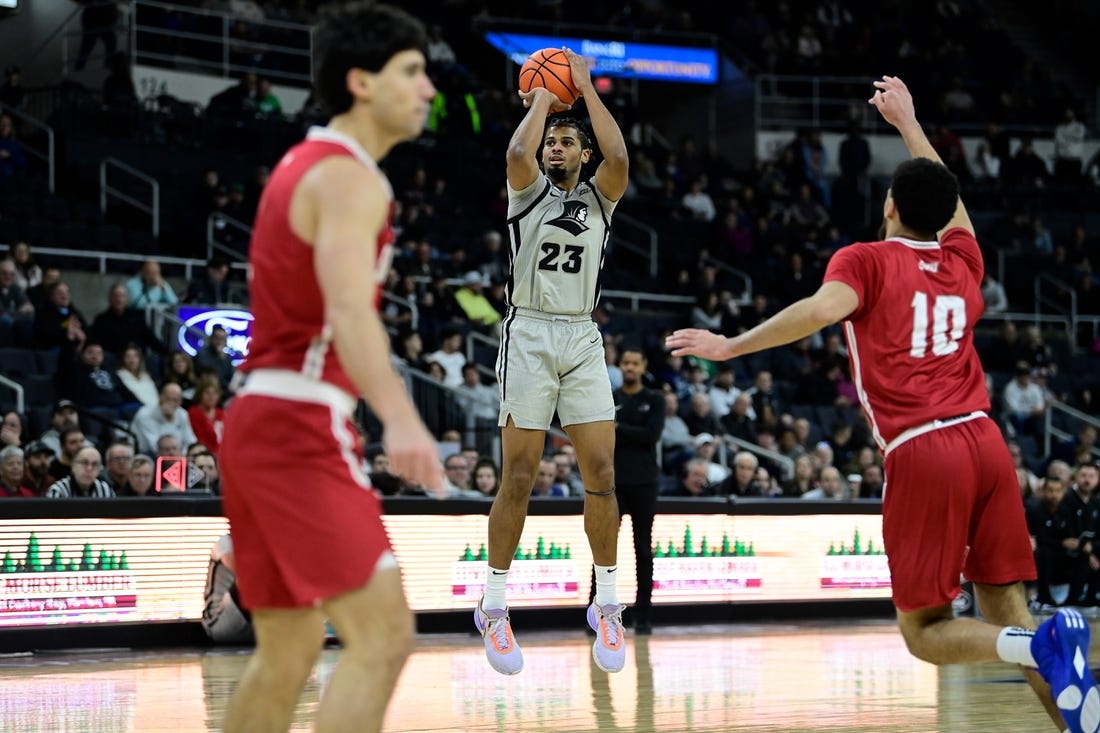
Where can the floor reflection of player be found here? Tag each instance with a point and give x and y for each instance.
(603, 704)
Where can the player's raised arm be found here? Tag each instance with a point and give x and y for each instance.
(523, 148)
(833, 302)
(894, 102)
(613, 174)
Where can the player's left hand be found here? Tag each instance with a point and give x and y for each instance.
(697, 342)
(531, 97)
(578, 69)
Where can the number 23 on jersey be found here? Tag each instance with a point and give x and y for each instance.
(571, 261)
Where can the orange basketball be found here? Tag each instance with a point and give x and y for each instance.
(549, 68)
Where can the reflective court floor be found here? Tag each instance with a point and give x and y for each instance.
(843, 677)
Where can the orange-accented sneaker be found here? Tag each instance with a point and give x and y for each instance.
(609, 649)
(501, 648)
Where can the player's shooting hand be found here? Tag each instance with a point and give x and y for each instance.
(578, 68)
(532, 97)
(893, 101)
(697, 342)
(414, 455)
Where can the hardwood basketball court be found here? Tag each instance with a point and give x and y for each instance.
(842, 677)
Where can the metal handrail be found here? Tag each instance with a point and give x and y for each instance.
(452, 394)
(163, 318)
(489, 341)
(1093, 321)
(745, 296)
(289, 25)
(409, 303)
(1041, 299)
(50, 155)
(786, 465)
(20, 393)
(647, 231)
(1051, 431)
(1034, 318)
(212, 244)
(223, 67)
(153, 208)
(635, 297)
(102, 257)
(767, 93)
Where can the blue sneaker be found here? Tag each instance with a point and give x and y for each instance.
(608, 650)
(501, 648)
(1060, 647)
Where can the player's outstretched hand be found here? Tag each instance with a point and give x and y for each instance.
(893, 101)
(578, 69)
(414, 455)
(556, 105)
(697, 342)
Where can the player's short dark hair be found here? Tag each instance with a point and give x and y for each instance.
(358, 35)
(575, 123)
(926, 195)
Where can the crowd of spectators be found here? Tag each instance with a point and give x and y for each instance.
(117, 391)
(779, 221)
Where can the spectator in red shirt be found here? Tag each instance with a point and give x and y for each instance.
(207, 418)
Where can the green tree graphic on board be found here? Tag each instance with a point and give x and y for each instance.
(541, 552)
(33, 560)
(57, 563)
(727, 548)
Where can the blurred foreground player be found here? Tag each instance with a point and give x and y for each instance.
(307, 528)
(952, 502)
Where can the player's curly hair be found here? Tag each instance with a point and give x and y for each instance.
(358, 35)
(926, 194)
(575, 123)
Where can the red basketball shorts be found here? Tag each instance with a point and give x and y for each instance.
(306, 525)
(952, 506)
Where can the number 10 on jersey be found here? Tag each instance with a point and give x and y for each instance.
(945, 337)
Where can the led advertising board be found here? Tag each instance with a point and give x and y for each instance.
(72, 571)
(624, 59)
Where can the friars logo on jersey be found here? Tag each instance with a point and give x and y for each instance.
(572, 218)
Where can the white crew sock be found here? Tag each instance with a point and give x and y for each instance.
(1014, 645)
(495, 581)
(606, 584)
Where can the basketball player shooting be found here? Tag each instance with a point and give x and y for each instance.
(551, 352)
(952, 503)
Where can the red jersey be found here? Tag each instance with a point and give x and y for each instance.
(911, 339)
(288, 328)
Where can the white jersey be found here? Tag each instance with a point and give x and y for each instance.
(558, 241)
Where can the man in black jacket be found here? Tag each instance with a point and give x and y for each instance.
(639, 420)
(1048, 526)
(120, 325)
(1081, 510)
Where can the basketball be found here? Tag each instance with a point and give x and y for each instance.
(549, 68)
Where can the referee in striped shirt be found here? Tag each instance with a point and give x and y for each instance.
(84, 481)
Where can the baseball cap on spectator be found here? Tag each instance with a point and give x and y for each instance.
(64, 405)
(35, 447)
(472, 277)
(702, 438)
